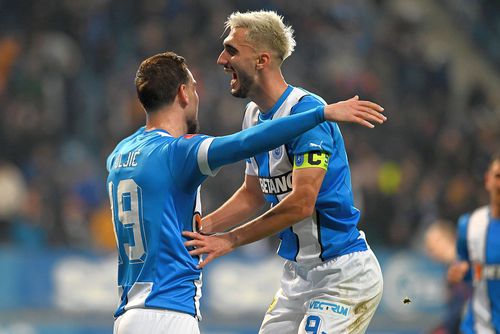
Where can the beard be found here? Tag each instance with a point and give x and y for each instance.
(246, 83)
(193, 127)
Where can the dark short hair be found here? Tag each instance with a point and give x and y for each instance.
(158, 79)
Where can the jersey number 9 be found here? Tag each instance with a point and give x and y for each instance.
(129, 231)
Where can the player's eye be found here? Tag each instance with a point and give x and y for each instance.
(232, 51)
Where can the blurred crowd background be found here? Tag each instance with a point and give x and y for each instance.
(67, 97)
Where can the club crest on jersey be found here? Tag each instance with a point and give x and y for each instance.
(277, 153)
(276, 185)
(299, 160)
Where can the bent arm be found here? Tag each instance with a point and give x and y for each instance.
(245, 202)
(298, 205)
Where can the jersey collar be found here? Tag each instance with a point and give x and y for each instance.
(272, 111)
(159, 131)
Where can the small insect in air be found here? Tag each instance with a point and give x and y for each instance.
(406, 300)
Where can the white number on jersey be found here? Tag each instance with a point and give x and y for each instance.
(129, 202)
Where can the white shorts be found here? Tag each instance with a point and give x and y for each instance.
(153, 321)
(337, 296)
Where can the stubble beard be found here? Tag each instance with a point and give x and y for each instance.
(246, 83)
(193, 127)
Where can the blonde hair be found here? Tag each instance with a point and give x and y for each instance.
(265, 29)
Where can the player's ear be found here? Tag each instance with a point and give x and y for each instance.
(183, 95)
(263, 60)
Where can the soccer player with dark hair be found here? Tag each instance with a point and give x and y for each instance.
(331, 280)
(153, 185)
(478, 250)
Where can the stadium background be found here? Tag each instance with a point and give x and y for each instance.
(67, 97)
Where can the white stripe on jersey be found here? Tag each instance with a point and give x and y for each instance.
(279, 164)
(197, 296)
(203, 158)
(307, 232)
(476, 243)
(198, 282)
(137, 295)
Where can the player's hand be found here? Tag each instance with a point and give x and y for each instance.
(355, 110)
(211, 245)
(457, 271)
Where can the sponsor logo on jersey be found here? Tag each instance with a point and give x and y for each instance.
(276, 185)
(329, 307)
(189, 136)
(277, 153)
(486, 272)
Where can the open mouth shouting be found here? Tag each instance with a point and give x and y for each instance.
(240, 82)
(234, 78)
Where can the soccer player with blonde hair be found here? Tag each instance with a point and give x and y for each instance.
(153, 186)
(332, 282)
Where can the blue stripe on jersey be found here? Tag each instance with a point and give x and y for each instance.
(467, 326)
(262, 160)
(462, 251)
(289, 247)
(493, 257)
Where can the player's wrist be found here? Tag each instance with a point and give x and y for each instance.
(233, 239)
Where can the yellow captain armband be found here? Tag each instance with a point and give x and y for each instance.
(311, 160)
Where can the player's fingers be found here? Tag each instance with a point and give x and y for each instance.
(363, 122)
(197, 251)
(371, 104)
(193, 243)
(192, 235)
(370, 114)
(355, 97)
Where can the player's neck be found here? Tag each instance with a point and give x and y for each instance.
(269, 90)
(495, 210)
(169, 119)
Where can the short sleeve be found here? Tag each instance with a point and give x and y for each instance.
(320, 138)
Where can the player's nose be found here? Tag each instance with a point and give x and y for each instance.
(221, 60)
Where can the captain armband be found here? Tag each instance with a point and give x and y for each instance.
(311, 160)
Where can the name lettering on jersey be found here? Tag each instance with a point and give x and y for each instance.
(328, 307)
(486, 272)
(311, 160)
(276, 185)
(128, 160)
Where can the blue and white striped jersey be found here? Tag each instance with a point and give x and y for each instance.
(331, 231)
(478, 242)
(153, 185)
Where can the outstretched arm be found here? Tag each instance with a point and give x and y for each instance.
(269, 135)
